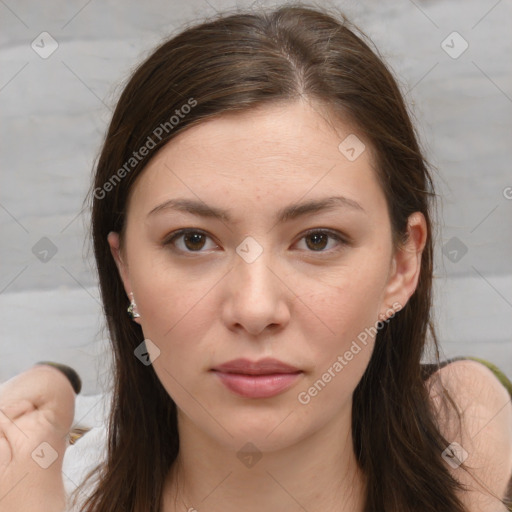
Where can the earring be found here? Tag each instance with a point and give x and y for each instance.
(131, 308)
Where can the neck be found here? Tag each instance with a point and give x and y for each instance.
(319, 472)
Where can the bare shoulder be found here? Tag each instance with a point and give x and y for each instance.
(483, 438)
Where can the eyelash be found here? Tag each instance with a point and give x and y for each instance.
(343, 241)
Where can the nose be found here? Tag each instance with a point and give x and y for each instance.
(257, 296)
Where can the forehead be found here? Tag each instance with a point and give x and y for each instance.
(278, 152)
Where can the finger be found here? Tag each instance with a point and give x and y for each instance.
(70, 373)
(44, 387)
(5, 452)
(13, 410)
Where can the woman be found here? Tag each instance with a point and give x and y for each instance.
(262, 210)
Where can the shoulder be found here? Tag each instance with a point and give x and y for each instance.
(484, 435)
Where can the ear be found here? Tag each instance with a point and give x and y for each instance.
(406, 265)
(115, 249)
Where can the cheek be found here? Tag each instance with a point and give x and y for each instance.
(174, 311)
(349, 297)
(176, 317)
(341, 318)
(167, 293)
(177, 313)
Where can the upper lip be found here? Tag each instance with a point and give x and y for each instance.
(265, 366)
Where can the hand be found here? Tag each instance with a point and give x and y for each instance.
(36, 413)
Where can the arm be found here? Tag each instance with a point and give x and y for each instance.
(485, 434)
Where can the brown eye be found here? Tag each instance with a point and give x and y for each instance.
(192, 240)
(317, 240)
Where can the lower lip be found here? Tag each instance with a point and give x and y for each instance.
(258, 386)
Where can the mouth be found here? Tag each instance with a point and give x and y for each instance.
(267, 366)
(256, 373)
(262, 379)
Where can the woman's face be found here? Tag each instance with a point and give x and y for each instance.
(252, 283)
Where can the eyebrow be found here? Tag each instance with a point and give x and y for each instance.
(287, 213)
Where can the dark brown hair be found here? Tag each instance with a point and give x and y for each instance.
(235, 62)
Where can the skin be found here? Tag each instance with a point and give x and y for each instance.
(297, 304)
(37, 406)
(485, 432)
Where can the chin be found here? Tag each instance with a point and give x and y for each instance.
(266, 433)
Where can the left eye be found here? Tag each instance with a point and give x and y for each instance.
(194, 240)
(319, 239)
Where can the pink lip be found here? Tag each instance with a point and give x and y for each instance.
(262, 367)
(262, 379)
(257, 386)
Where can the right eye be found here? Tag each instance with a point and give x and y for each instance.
(192, 240)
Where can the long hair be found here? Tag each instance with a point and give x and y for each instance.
(235, 62)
